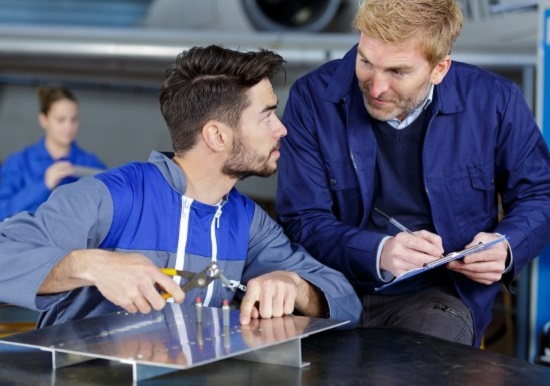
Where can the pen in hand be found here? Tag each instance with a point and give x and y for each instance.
(401, 227)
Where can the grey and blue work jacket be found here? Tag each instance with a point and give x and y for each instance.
(141, 207)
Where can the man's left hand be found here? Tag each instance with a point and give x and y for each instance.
(486, 266)
(270, 295)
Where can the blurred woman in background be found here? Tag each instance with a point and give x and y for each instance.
(28, 177)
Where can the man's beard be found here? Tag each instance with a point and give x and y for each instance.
(401, 108)
(244, 162)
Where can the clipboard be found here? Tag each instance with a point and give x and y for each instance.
(444, 260)
(85, 171)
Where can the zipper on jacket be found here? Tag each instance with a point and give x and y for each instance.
(365, 215)
(182, 237)
(213, 226)
(435, 111)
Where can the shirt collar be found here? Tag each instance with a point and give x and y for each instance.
(410, 118)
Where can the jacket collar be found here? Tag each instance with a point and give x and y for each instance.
(343, 77)
(447, 98)
(171, 172)
(174, 175)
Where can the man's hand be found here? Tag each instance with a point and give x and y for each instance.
(278, 293)
(407, 251)
(486, 266)
(128, 280)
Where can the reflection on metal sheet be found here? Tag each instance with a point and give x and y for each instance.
(171, 339)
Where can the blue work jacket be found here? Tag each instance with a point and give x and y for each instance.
(481, 141)
(22, 185)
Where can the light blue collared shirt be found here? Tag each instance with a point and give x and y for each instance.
(411, 117)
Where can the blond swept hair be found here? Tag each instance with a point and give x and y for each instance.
(435, 24)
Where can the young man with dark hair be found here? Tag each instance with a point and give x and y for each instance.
(96, 246)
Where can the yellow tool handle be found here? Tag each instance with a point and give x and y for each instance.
(169, 271)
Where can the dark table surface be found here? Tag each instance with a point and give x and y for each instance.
(373, 356)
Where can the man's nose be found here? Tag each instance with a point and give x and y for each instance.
(378, 84)
(280, 130)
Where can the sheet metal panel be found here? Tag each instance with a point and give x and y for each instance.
(171, 339)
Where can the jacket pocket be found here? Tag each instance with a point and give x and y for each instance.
(473, 200)
(346, 195)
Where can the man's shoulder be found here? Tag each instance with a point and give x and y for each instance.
(472, 84)
(465, 72)
(134, 169)
(336, 73)
(234, 197)
(129, 177)
(321, 74)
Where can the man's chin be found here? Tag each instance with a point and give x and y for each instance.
(261, 174)
(243, 174)
(381, 115)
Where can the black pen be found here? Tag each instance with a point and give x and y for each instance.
(401, 227)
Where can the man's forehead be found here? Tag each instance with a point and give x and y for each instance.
(263, 93)
(402, 54)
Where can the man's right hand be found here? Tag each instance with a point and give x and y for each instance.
(129, 280)
(408, 251)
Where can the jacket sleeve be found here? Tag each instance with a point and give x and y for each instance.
(269, 250)
(77, 216)
(523, 175)
(14, 196)
(305, 203)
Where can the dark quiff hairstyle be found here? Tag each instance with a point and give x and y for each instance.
(211, 83)
(435, 24)
(47, 96)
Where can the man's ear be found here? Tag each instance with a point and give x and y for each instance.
(215, 135)
(440, 70)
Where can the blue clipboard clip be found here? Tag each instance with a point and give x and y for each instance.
(444, 260)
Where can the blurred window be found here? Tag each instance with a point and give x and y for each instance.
(112, 13)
